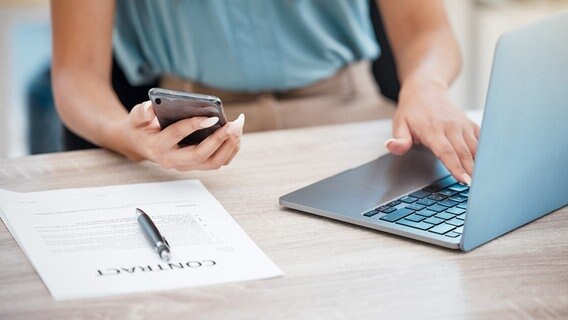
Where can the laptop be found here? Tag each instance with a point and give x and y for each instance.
(521, 167)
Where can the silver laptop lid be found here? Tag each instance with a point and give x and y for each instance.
(521, 169)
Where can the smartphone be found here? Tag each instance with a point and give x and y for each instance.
(171, 106)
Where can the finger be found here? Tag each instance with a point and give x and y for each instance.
(402, 141)
(444, 150)
(175, 132)
(471, 141)
(221, 155)
(236, 127)
(142, 114)
(456, 138)
(207, 147)
(240, 118)
(179, 159)
(191, 157)
(476, 130)
(235, 151)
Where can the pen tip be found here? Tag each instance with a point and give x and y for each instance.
(165, 255)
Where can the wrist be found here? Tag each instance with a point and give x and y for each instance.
(423, 87)
(425, 81)
(117, 138)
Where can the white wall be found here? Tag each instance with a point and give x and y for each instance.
(478, 24)
(493, 18)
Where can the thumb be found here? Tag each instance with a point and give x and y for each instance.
(402, 141)
(142, 114)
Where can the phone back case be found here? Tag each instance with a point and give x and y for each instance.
(171, 106)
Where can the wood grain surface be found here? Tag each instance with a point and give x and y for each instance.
(333, 270)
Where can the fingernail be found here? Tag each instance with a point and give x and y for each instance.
(388, 142)
(467, 179)
(156, 123)
(236, 127)
(147, 106)
(209, 122)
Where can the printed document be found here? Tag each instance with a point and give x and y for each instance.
(87, 243)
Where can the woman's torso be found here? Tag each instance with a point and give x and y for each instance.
(242, 45)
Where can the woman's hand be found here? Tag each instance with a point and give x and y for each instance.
(144, 140)
(426, 115)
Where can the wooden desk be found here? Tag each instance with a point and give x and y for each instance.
(332, 270)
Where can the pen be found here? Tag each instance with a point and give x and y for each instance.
(153, 235)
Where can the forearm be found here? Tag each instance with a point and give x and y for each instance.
(422, 41)
(431, 58)
(89, 107)
(81, 72)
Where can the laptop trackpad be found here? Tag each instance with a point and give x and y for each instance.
(359, 189)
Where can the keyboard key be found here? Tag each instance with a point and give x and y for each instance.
(459, 187)
(370, 213)
(462, 205)
(415, 207)
(388, 210)
(434, 220)
(394, 203)
(458, 198)
(437, 208)
(408, 199)
(415, 218)
(461, 216)
(455, 222)
(442, 228)
(397, 215)
(417, 225)
(444, 215)
(455, 210)
(426, 202)
(458, 230)
(465, 193)
(447, 192)
(452, 234)
(437, 197)
(426, 212)
(440, 184)
(419, 194)
(448, 203)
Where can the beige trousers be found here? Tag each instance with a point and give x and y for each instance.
(350, 95)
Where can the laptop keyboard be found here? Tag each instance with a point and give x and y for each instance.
(439, 208)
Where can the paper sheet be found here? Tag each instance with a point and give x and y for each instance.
(87, 242)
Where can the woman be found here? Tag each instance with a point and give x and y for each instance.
(283, 63)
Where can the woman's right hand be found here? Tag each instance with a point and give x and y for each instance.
(145, 140)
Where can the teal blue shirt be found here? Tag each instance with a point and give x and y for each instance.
(242, 45)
